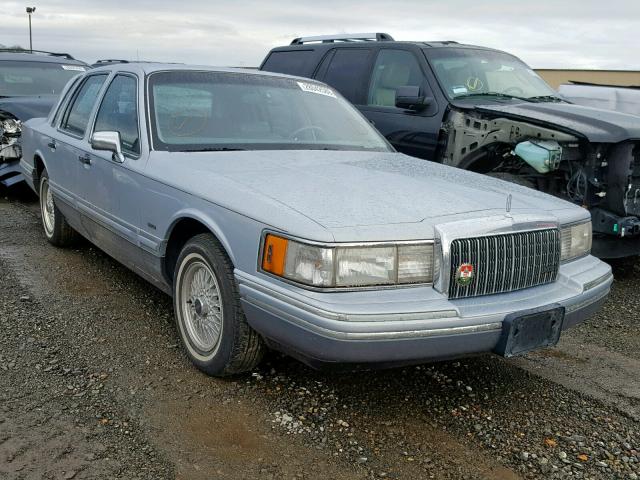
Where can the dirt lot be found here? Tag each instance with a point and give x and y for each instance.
(93, 384)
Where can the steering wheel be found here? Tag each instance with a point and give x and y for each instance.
(182, 125)
(309, 128)
(517, 91)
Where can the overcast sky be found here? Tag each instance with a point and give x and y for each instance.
(544, 33)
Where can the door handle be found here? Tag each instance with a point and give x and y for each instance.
(52, 145)
(85, 159)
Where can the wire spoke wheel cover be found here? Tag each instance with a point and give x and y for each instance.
(200, 305)
(47, 208)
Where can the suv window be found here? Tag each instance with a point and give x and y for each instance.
(77, 115)
(119, 112)
(21, 78)
(393, 69)
(347, 72)
(298, 62)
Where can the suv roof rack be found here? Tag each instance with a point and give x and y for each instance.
(41, 52)
(344, 37)
(103, 61)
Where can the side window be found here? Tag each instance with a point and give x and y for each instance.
(77, 114)
(63, 101)
(295, 62)
(119, 112)
(347, 72)
(393, 69)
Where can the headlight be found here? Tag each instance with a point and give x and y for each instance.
(11, 126)
(349, 266)
(575, 241)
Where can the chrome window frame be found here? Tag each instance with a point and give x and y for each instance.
(94, 118)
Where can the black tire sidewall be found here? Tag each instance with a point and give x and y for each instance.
(217, 362)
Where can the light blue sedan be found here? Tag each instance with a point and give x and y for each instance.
(276, 216)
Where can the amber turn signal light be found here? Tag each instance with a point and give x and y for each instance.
(274, 254)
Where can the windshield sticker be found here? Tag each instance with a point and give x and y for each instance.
(314, 88)
(75, 68)
(459, 90)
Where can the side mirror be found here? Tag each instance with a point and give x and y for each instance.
(110, 142)
(409, 98)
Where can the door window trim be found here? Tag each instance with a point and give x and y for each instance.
(72, 100)
(101, 99)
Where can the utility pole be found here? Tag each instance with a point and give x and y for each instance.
(30, 10)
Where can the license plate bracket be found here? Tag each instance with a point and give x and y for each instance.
(523, 332)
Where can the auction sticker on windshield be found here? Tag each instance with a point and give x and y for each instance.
(314, 88)
(76, 68)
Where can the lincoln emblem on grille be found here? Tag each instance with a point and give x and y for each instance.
(464, 274)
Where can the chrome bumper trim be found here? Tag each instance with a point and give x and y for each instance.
(391, 335)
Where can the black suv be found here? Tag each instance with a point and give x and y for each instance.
(485, 110)
(30, 82)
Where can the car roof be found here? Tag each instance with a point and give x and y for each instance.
(146, 68)
(39, 57)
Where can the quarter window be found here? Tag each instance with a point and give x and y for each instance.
(347, 72)
(62, 103)
(119, 112)
(393, 69)
(77, 115)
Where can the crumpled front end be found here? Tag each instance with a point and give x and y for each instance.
(601, 174)
(10, 150)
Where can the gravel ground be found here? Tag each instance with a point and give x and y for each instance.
(93, 384)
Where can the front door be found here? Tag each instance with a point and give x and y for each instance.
(413, 133)
(111, 217)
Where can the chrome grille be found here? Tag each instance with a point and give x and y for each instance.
(506, 262)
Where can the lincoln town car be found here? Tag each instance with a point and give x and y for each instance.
(276, 216)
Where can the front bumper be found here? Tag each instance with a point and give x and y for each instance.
(406, 325)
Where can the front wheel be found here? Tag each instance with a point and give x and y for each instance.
(56, 228)
(209, 318)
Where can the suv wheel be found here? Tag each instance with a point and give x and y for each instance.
(56, 228)
(209, 318)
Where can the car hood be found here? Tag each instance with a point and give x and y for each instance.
(597, 125)
(24, 108)
(345, 189)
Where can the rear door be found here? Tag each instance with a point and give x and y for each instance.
(68, 149)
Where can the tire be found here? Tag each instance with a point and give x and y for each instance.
(56, 229)
(510, 177)
(213, 328)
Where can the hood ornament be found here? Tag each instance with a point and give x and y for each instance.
(508, 206)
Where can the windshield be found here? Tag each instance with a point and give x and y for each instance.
(34, 78)
(196, 111)
(472, 72)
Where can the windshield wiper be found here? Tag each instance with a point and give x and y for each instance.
(214, 149)
(490, 94)
(545, 98)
